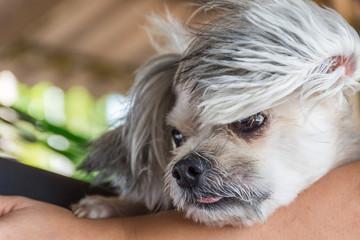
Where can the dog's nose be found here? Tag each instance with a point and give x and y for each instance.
(188, 170)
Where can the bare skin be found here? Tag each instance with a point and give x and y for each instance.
(330, 209)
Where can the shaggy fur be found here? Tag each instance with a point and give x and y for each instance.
(286, 67)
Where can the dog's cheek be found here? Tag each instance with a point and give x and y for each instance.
(297, 151)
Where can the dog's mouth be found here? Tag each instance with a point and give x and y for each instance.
(214, 191)
(208, 200)
(216, 202)
(211, 203)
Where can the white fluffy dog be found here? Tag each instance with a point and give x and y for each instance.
(236, 117)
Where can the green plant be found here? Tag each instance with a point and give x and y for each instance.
(49, 128)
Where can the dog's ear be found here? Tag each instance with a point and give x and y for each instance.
(339, 74)
(134, 155)
(349, 74)
(151, 100)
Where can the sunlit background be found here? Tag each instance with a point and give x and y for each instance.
(65, 69)
(47, 127)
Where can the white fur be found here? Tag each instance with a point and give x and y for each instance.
(291, 60)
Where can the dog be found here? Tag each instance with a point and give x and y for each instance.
(235, 117)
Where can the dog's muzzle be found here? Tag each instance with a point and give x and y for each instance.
(203, 186)
(189, 170)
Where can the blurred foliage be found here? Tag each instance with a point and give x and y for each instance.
(48, 128)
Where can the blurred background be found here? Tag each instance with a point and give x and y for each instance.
(65, 69)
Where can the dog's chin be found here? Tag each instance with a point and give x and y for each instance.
(227, 211)
(220, 211)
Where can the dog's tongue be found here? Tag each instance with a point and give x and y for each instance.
(208, 200)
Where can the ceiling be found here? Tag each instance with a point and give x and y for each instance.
(97, 44)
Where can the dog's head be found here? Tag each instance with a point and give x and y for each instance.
(260, 109)
(252, 112)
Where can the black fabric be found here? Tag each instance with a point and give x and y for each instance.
(22, 180)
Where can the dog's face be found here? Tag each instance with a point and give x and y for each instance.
(260, 114)
(255, 103)
(238, 173)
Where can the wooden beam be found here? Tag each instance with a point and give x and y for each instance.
(345, 8)
(17, 15)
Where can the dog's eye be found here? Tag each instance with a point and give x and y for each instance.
(250, 124)
(178, 137)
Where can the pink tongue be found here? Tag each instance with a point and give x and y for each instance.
(208, 200)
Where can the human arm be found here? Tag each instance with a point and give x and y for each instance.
(330, 209)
